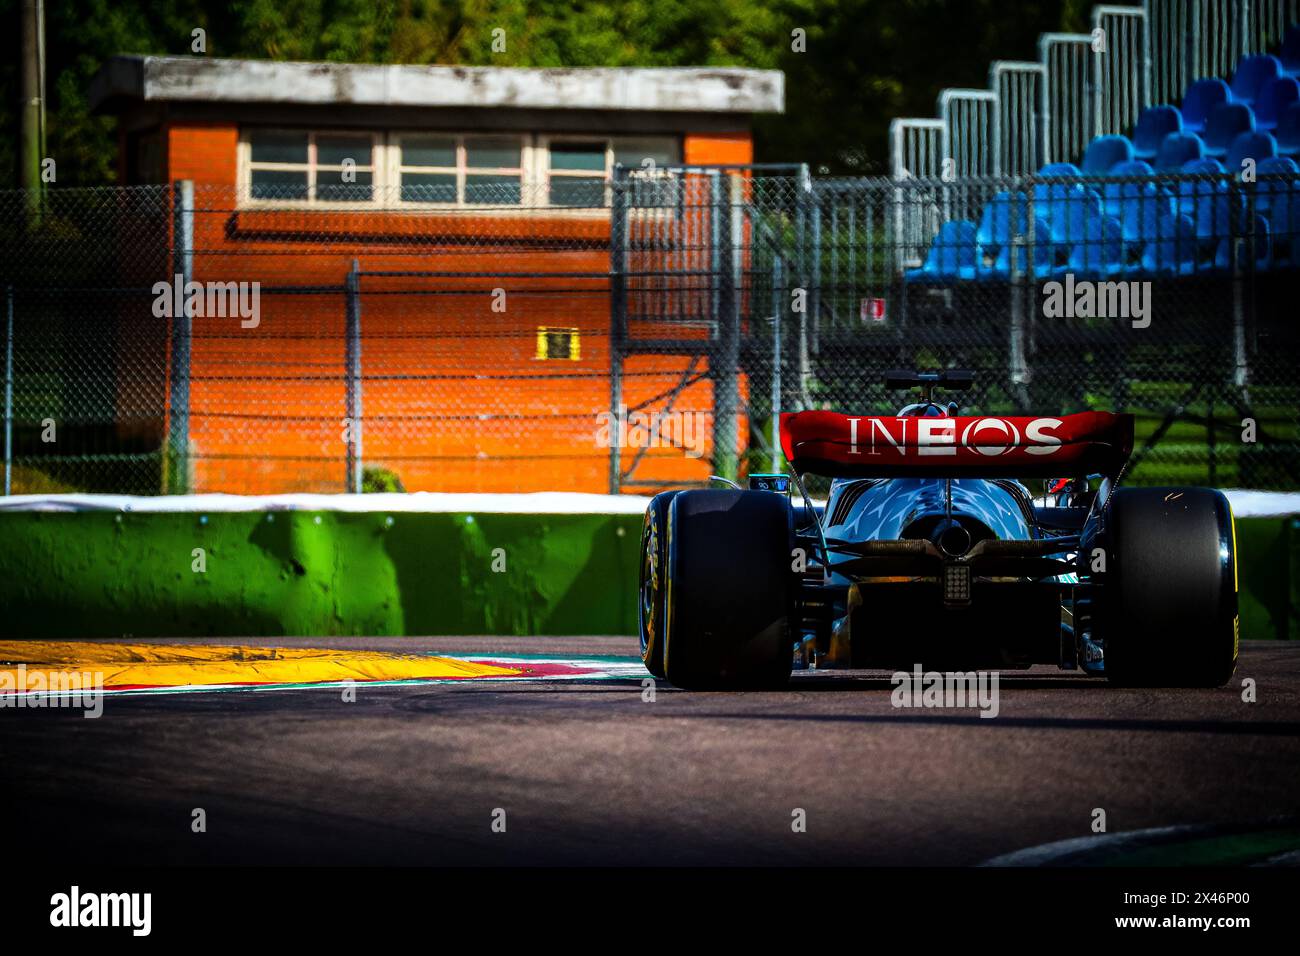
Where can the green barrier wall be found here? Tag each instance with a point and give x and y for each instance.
(1268, 573)
(109, 574)
(90, 574)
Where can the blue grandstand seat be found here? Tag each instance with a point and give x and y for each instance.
(1178, 148)
(1065, 208)
(1287, 133)
(1068, 224)
(1059, 198)
(1278, 164)
(1114, 194)
(1213, 207)
(1226, 123)
(1042, 254)
(1060, 171)
(1215, 219)
(1173, 250)
(1252, 74)
(1140, 213)
(1104, 152)
(1273, 101)
(1099, 251)
(1201, 99)
(1275, 177)
(1290, 55)
(951, 254)
(1257, 146)
(1153, 125)
(1204, 200)
(1005, 215)
(1263, 249)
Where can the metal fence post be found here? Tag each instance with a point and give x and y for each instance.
(815, 292)
(9, 390)
(1097, 85)
(835, 261)
(726, 390)
(852, 303)
(800, 273)
(1241, 238)
(803, 190)
(1045, 152)
(353, 359)
(778, 302)
(178, 437)
(617, 320)
(1022, 253)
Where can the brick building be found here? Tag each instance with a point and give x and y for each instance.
(488, 370)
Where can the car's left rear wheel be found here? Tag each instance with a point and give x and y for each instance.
(730, 590)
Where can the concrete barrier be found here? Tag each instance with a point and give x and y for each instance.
(513, 565)
(1268, 574)
(102, 574)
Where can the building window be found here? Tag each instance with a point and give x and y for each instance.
(298, 166)
(461, 170)
(647, 152)
(555, 343)
(577, 170)
(652, 186)
(344, 168)
(427, 169)
(494, 171)
(340, 167)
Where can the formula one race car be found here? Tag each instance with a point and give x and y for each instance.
(929, 552)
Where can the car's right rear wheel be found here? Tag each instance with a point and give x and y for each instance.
(1165, 607)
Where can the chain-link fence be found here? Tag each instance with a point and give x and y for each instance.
(1168, 296)
(636, 336)
(85, 364)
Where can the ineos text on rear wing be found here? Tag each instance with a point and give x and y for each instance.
(858, 446)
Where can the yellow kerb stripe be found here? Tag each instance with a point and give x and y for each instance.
(199, 664)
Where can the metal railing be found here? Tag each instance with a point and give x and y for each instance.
(967, 132)
(1087, 85)
(1121, 68)
(1017, 137)
(1068, 102)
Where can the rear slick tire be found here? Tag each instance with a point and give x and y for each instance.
(1166, 611)
(730, 590)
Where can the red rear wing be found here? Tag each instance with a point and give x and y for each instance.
(859, 446)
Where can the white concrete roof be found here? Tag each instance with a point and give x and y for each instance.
(211, 80)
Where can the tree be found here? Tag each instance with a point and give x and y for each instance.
(865, 61)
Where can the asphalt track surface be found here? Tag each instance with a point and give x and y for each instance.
(590, 772)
